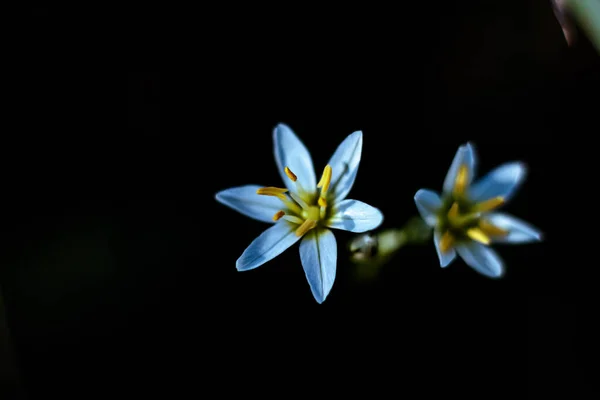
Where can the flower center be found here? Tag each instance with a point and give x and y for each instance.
(300, 207)
(460, 218)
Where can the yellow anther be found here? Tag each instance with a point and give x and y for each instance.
(446, 242)
(453, 212)
(478, 235)
(290, 174)
(273, 191)
(490, 204)
(278, 215)
(325, 180)
(322, 202)
(491, 230)
(305, 227)
(462, 177)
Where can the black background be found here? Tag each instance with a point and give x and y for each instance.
(118, 266)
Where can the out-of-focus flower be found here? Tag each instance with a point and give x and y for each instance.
(564, 19)
(465, 220)
(304, 209)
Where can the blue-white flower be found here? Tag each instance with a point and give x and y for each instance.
(304, 209)
(464, 218)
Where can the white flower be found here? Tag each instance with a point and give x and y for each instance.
(464, 219)
(305, 209)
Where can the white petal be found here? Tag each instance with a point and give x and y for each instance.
(428, 203)
(318, 253)
(445, 258)
(502, 181)
(290, 152)
(465, 155)
(481, 258)
(518, 231)
(355, 216)
(244, 200)
(344, 165)
(267, 246)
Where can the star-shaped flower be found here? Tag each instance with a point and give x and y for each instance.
(304, 209)
(464, 218)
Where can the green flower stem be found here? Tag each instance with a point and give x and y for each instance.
(587, 15)
(370, 251)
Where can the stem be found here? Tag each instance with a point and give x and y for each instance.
(371, 250)
(587, 14)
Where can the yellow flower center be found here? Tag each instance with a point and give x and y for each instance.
(300, 207)
(465, 219)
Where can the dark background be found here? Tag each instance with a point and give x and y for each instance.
(118, 266)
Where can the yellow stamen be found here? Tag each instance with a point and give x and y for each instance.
(294, 219)
(278, 215)
(322, 202)
(478, 235)
(460, 183)
(453, 212)
(446, 242)
(273, 191)
(290, 174)
(325, 180)
(491, 230)
(305, 227)
(490, 204)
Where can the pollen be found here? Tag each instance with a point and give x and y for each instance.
(325, 180)
(302, 208)
(490, 204)
(306, 226)
(446, 242)
(491, 230)
(460, 184)
(278, 215)
(453, 212)
(290, 174)
(478, 235)
(273, 191)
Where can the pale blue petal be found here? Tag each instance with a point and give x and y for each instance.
(244, 200)
(318, 253)
(428, 203)
(267, 246)
(445, 258)
(502, 181)
(465, 155)
(518, 231)
(344, 165)
(355, 216)
(290, 152)
(481, 258)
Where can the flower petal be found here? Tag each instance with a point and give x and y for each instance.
(518, 231)
(428, 203)
(244, 200)
(290, 152)
(267, 246)
(447, 257)
(465, 155)
(355, 216)
(565, 20)
(481, 258)
(502, 181)
(344, 165)
(318, 253)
